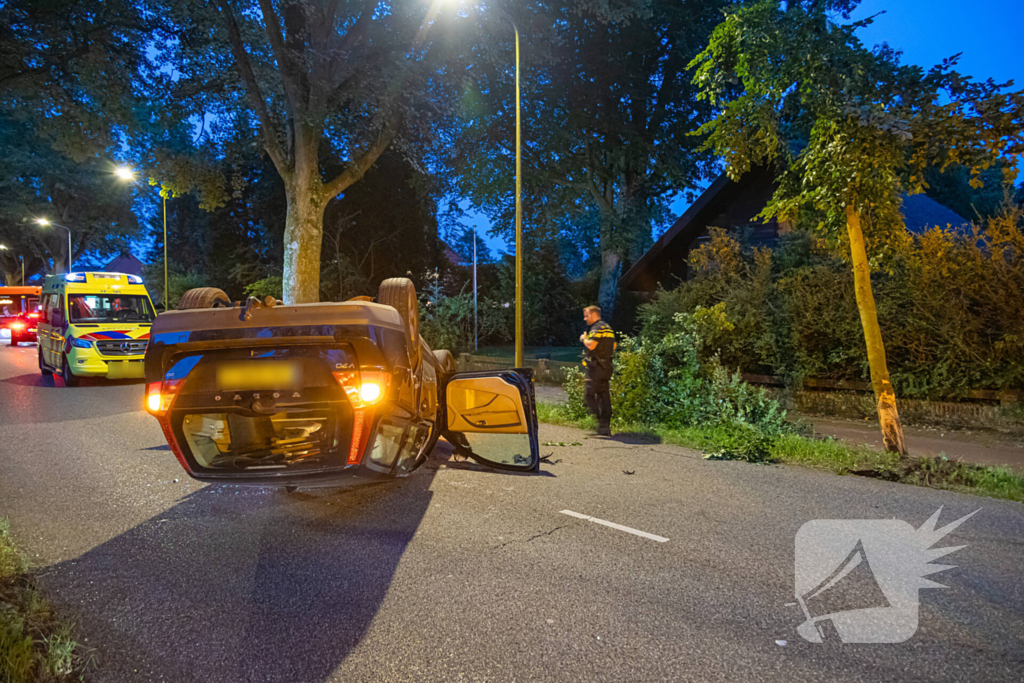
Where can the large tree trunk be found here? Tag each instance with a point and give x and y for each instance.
(607, 293)
(888, 417)
(303, 237)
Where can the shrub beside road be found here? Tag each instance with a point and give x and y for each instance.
(36, 646)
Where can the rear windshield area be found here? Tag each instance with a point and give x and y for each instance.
(246, 410)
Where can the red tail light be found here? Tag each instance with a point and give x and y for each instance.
(17, 326)
(160, 396)
(364, 389)
(159, 399)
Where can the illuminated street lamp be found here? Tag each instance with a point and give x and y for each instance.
(47, 223)
(126, 174)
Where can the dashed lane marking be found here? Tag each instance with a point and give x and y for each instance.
(613, 525)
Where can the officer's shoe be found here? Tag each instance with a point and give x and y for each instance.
(604, 430)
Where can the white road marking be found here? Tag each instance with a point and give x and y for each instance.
(613, 525)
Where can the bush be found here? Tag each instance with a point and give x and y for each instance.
(446, 322)
(676, 381)
(268, 286)
(950, 305)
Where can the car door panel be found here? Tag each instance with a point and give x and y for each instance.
(491, 417)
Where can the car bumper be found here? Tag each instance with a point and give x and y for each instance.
(89, 363)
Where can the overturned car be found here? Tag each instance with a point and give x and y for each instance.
(266, 394)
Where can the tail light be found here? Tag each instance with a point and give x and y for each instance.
(159, 399)
(17, 326)
(160, 396)
(364, 390)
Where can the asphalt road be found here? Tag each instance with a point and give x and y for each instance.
(459, 573)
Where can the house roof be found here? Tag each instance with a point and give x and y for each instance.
(125, 263)
(920, 213)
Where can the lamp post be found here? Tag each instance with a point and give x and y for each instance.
(47, 223)
(519, 222)
(127, 174)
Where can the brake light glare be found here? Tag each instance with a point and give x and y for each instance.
(160, 396)
(363, 389)
(17, 326)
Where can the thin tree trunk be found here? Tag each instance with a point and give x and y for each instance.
(607, 293)
(888, 417)
(303, 238)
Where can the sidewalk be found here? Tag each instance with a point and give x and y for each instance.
(980, 447)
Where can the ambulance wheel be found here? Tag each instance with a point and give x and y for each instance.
(400, 294)
(446, 360)
(70, 378)
(43, 370)
(204, 297)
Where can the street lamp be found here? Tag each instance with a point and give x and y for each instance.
(47, 223)
(128, 175)
(519, 208)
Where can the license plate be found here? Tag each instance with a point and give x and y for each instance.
(246, 376)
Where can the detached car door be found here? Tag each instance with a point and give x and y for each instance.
(492, 418)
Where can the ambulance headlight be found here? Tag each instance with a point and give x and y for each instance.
(81, 343)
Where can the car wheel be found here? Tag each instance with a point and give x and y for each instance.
(70, 378)
(42, 367)
(204, 297)
(14, 340)
(446, 360)
(400, 294)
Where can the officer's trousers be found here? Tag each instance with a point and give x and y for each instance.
(599, 400)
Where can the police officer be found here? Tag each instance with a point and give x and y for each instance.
(599, 341)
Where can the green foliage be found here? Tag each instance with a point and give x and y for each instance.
(35, 646)
(610, 111)
(446, 322)
(847, 126)
(676, 381)
(261, 289)
(951, 306)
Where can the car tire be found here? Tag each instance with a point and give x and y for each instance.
(400, 294)
(204, 297)
(43, 370)
(70, 378)
(446, 360)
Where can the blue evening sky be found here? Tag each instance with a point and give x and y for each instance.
(987, 32)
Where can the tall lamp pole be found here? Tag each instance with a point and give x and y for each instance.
(127, 174)
(46, 223)
(476, 338)
(519, 222)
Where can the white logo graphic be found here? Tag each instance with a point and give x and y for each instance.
(858, 579)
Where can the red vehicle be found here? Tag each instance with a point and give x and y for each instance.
(23, 328)
(19, 312)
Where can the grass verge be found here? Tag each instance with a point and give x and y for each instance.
(829, 454)
(35, 645)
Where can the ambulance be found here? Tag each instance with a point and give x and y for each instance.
(94, 325)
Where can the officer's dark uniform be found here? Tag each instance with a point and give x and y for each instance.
(599, 372)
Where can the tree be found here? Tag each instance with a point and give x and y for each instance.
(608, 108)
(850, 129)
(330, 84)
(39, 181)
(72, 67)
